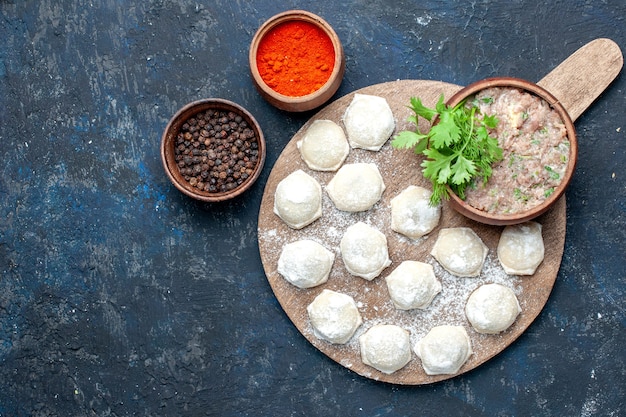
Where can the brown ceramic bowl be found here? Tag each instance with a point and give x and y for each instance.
(255, 154)
(520, 217)
(319, 96)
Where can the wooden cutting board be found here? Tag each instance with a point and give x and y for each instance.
(399, 170)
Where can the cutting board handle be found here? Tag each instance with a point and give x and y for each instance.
(582, 77)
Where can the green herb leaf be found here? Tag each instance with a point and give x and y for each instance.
(408, 140)
(459, 148)
(464, 170)
(445, 133)
(553, 174)
(490, 121)
(437, 166)
(421, 110)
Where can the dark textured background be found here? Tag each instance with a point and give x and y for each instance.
(120, 296)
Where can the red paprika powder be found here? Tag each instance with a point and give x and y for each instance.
(295, 58)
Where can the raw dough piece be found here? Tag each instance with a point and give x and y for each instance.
(386, 347)
(334, 316)
(324, 146)
(305, 263)
(356, 187)
(444, 350)
(521, 249)
(369, 122)
(364, 251)
(412, 285)
(492, 308)
(411, 212)
(460, 251)
(298, 199)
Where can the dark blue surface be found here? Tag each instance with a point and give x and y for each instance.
(120, 296)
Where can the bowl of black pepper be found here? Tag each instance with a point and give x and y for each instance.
(213, 150)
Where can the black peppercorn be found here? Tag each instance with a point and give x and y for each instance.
(216, 151)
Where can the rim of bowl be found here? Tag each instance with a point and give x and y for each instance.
(519, 217)
(330, 86)
(171, 131)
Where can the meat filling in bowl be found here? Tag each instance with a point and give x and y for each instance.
(535, 152)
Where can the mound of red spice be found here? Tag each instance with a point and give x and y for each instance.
(295, 58)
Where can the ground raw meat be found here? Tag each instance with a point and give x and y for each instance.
(535, 152)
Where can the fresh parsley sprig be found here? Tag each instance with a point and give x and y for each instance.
(458, 148)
